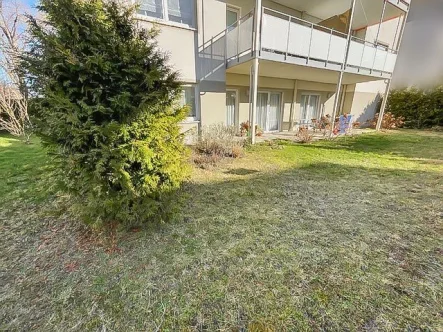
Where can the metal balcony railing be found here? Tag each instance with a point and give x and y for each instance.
(291, 38)
(370, 56)
(294, 37)
(240, 37)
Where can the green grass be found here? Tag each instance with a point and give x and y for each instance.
(22, 167)
(341, 235)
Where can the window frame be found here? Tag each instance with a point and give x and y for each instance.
(165, 20)
(195, 117)
(236, 106)
(309, 94)
(233, 9)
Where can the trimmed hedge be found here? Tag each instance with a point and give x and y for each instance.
(420, 108)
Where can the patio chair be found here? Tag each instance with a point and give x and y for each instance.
(345, 124)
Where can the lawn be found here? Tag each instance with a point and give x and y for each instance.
(334, 236)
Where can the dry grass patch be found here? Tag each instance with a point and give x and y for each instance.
(342, 235)
(215, 143)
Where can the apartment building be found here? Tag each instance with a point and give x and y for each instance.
(280, 63)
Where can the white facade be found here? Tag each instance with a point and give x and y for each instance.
(313, 57)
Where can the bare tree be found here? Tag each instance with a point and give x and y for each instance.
(14, 116)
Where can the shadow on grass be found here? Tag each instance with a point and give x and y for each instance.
(241, 171)
(332, 246)
(405, 143)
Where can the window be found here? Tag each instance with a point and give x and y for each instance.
(188, 98)
(310, 108)
(153, 8)
(231, 106)
(178, 11)
(232, 16)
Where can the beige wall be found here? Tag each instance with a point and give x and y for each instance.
(363, 99)
(286, 87)
(388, 32)
(211, 19)
(179, 44)
(211, 71)
(188, 55)
(213, 105)
(247, 5)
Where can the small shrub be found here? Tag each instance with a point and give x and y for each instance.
(216, 142)
(303, 135)
(205, 161)
(437, 128)
(389, 121)
(237, 151)
(245, 128)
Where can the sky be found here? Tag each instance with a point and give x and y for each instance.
(30, 2)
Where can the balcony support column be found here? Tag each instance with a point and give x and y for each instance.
(254, 95)
(383, 106)
(255, 69)
(336, 102)
(342, 71)
(292, 111)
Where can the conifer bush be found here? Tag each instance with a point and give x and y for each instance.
(105, 108)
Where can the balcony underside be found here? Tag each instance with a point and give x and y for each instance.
(323, 9)
(276, 69)
(293, 41)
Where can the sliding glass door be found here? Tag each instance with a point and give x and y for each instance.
(310, 108)
(268, 111)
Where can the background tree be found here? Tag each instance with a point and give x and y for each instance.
(14, 116)
(106, 110)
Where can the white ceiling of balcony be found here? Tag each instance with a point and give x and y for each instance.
(304, 73)
(367, 12)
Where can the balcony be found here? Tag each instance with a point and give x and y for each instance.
(401, 4)
(285, 38)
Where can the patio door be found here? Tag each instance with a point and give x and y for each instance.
(231, 106)
(310, 108)
(268, 110)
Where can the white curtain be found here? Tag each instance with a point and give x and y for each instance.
(304, 109)
(152, 8)
(181, 11)
(262, 110)
(310, 108)
(313, 106)
(230, 108)
(274, 111)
